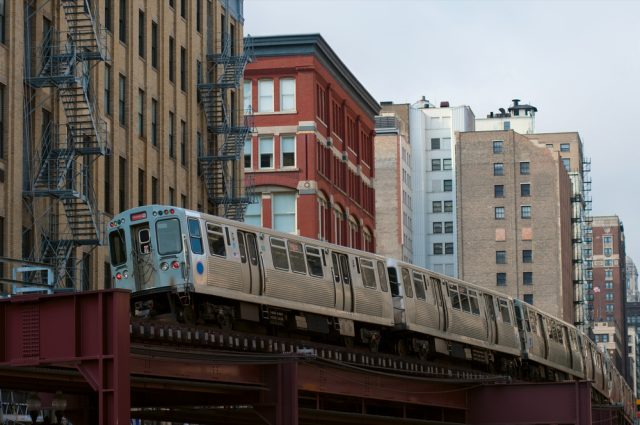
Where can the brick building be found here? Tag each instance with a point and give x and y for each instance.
(394, 216)
(312, 156)
(109, 106)
(514, 219)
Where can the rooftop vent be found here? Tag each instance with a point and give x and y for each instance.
(444, 104)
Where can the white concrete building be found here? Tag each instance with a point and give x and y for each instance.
(432, 135)
(520, 118)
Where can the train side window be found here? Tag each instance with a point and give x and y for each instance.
(117, 247)
(368, 273)
(144, 241)
(215, 235)
(532, 321)
(382, 273)
(561, 334)
(473, 300)
(169, 236)
(344, 268)
(279, 254)
(242, 248)
(252, 248)
(418, 283)
(393, 281)
(464, 299)
(195, 236)
(314, 261)
(455, 297)
(406, 281)
(296, 257)
(504, 310)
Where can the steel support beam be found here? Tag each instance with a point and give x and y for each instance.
(88, 330)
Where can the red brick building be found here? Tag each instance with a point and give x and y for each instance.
(311, 156)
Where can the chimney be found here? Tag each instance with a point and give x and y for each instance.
(444, 104)
(516, 102)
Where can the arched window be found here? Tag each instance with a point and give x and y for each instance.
(353, 232)
(323, 217)
(338, 222)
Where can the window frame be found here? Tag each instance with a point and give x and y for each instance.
(289, 95)
(283, 139)
(265, 101)
(498, 168)
(525, 168)
(498, 146)
(525, 212)
(263, 141)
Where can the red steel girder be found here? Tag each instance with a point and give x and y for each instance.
(89, 330)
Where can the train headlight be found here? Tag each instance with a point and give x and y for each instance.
(125, 274)
(175, 265)
(164, 267)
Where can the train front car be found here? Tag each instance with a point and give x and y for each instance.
(149, 252)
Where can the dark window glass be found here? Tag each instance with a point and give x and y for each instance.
(172, 59)
(314, 261)
(435, 144)
(418, 284)
(565, 147)
(117, 247)
(448, 206)
(437, 227)
(498, 191)
(436, 165)
(437, 248)
(501, 257)
(447, 185)
(122, 100)
(107, 90)
(154, 122)
(448, 248)
(501, 279)
(183, 8)
(527, 256)
(215, 235)
(448, 226)
(497, 146)
(524, 168)
(122, 20)
(296, 257)
(107, 15)
(499, 213)
(525, 189)
(525, 211)
(154, 44)
(527, 278)
(199, 15)
(141, 33)
(498, 169)
(195, 236)
(279, 254)
(169, 236)
(183, 69)
(436, 206)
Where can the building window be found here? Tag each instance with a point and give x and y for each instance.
(107, 89)
(183, 68)
(199, 15)
(154, 44)
(265, 95)
(437, 227)
(608, 263)
(498, 169)
(609, 308)
(248, 162)
(608, 296)
(498, 191)
(154, 122)
(172, 59)
(527, 278)
(498, 146)
(528, 298)
(435, 165)
(172, 142)
(183, 143)
(141, 33)
(2, 21)
(108, 207)
(607, 240)
(141, 114)
(436, 206)
(524, 168)
(525, 211)
(448, 248)
(506, 125)
(284, 212)
(122, 100)
(447, 185)
(437, 248)
(565, 147)
(525, 189)
(448, 226)
(527, 256)
(154, 190)
(499, 213)
(501, 257)
(122, 184)
(448, 206)
(183, 8)
(608, 285)
(253, 214)
(246, 92)
(107, 16)
(608, 252)
(435, 144)
(287, 151)
(446, 164)
(141, 187)
(266, 152)
(608, 274)
(172, 4)
(122, 20)
(567, 163)
(288, 94)
(501, 279)
(172, 196)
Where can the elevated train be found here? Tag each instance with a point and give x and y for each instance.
(205, 268)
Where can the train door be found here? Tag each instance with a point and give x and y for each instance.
(143, 256)
(341, 266)
(250, 272)
(439, 289)
(490, 312)
(337, 281)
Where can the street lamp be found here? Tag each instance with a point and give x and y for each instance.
(34, 405)
(59, 404)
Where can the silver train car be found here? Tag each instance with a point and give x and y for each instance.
(198, 267)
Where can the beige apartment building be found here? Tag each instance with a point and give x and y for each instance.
(110, 104)
(392, 185)
(514, 219)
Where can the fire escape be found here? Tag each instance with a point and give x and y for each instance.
(61, 166)
(587, 231)
(227, 129)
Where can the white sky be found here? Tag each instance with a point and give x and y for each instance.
(578, 62)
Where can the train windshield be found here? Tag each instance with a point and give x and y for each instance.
(169, 236)
(117, 248)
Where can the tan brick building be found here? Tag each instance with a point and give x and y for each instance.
(127, 102)
(393, 183)
(514, 219)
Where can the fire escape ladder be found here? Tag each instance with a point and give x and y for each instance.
(84, 33)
